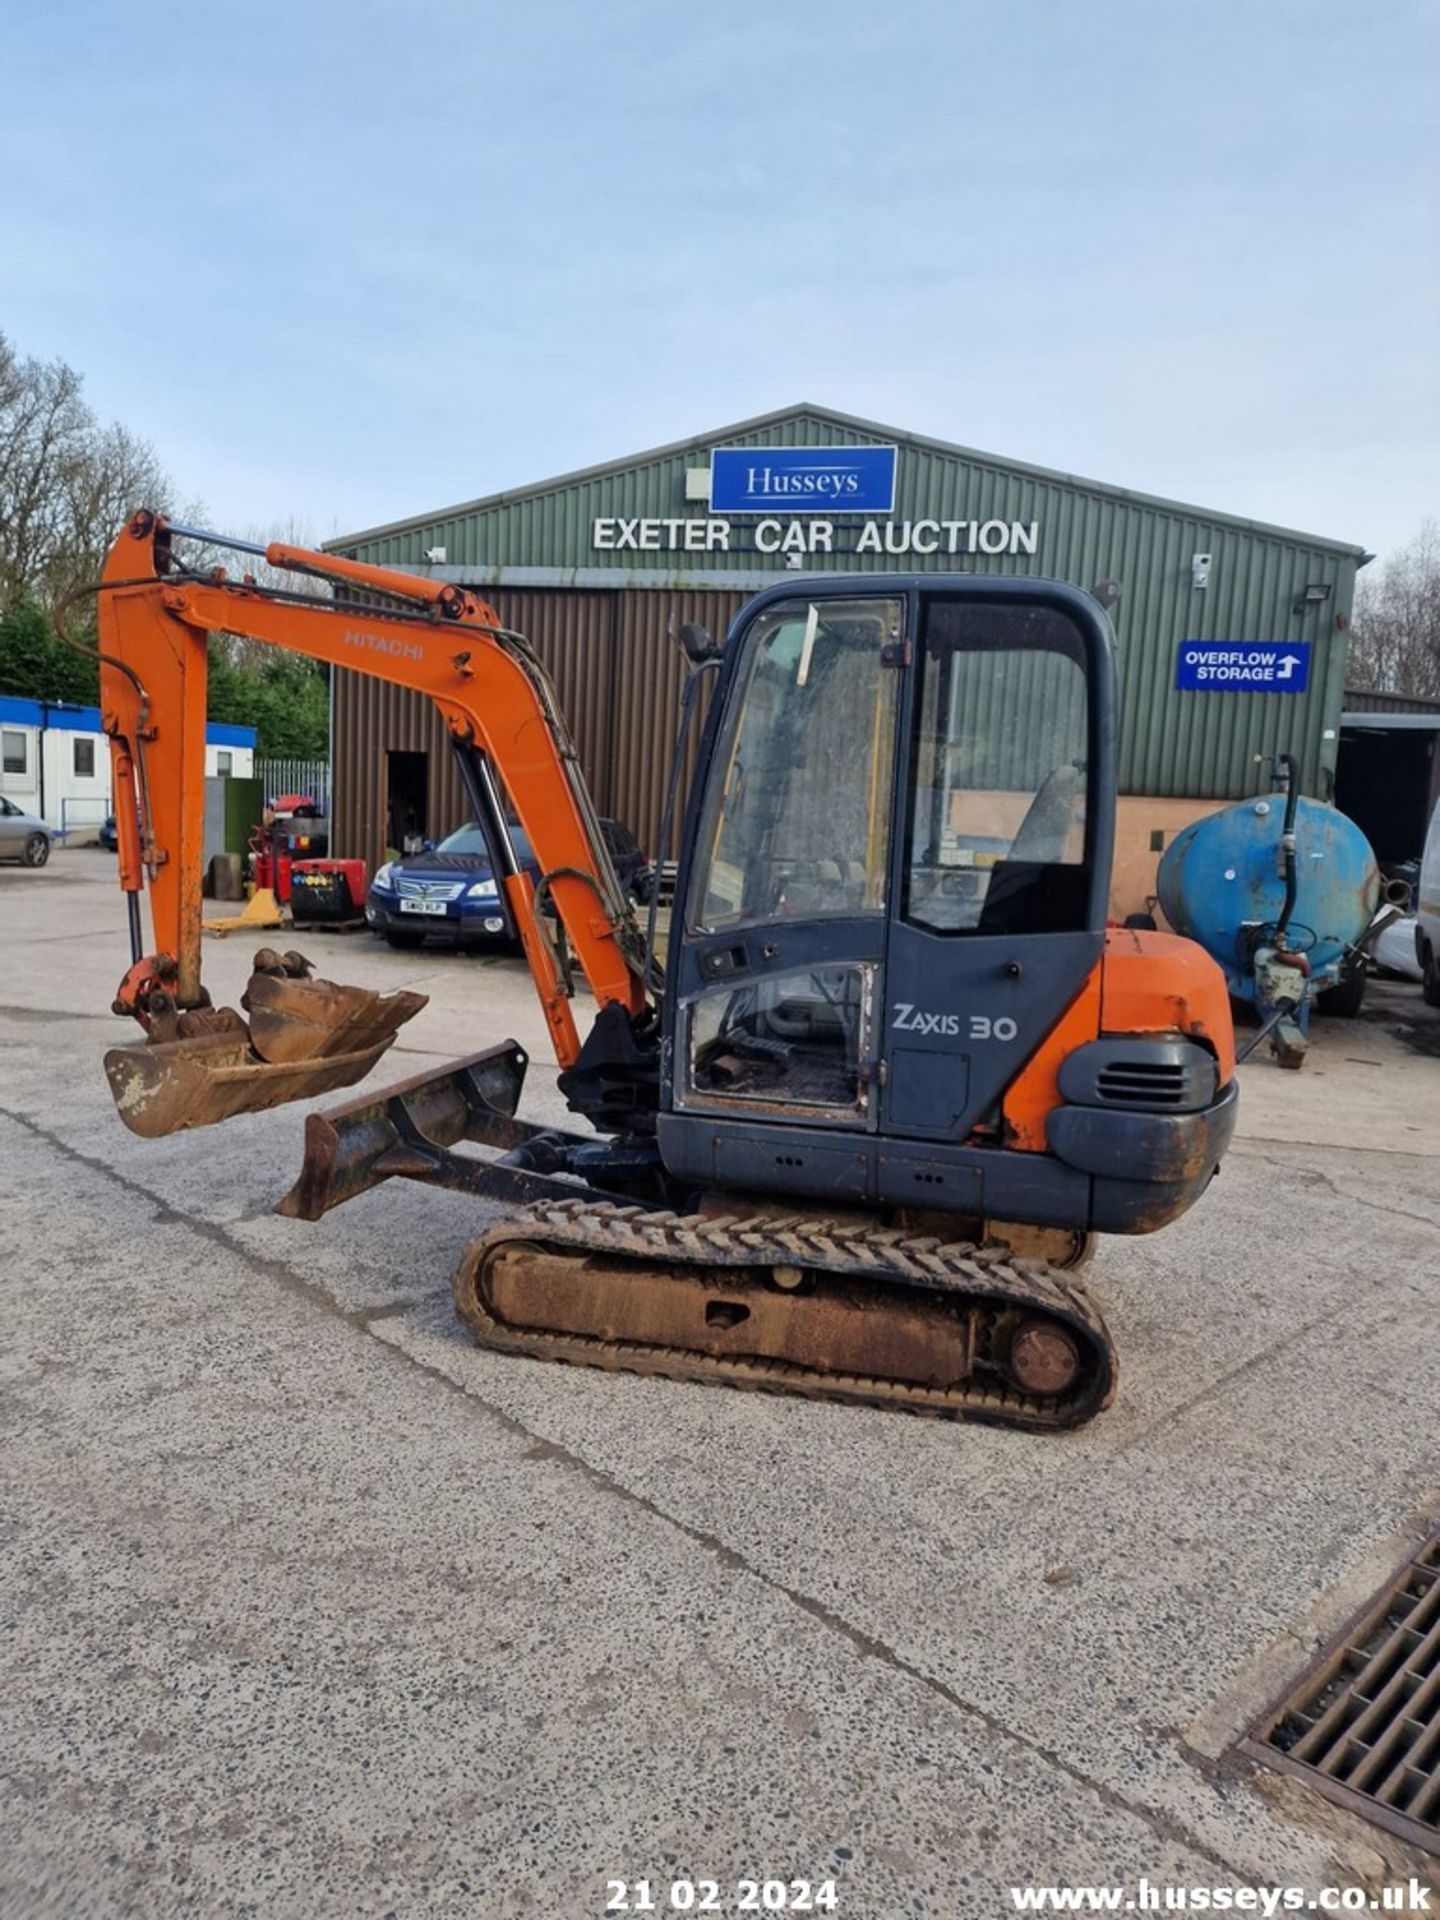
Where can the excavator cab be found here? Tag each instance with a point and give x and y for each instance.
(896, 882)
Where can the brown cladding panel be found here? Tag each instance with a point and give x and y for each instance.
(618, 672)
(372, 718)
(652, 673)
(574, 635)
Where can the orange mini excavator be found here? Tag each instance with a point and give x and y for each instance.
(855, 1137)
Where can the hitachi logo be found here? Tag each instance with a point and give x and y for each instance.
(384, 643)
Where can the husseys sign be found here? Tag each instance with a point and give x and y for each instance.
(790, 498)
(803, 479)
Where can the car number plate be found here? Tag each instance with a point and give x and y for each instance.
(422, 906)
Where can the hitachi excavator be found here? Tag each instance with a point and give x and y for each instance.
(854, 1138)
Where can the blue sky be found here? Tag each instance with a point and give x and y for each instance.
(344, 263)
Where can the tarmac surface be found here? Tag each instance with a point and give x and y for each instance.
(313, 1609)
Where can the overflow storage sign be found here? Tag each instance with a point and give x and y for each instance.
(1243, 666)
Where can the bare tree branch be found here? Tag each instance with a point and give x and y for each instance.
(66, 482)
(1395, 633)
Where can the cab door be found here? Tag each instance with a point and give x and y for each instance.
(777, 971)
(1002, 863)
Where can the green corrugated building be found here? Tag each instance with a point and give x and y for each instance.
(599, 567)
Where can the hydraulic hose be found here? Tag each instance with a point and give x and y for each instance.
(1287, 842)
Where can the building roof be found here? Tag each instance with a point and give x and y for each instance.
(1373, 700)
(60, 716)
(851, 423)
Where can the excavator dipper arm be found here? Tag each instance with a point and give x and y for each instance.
(154, 619)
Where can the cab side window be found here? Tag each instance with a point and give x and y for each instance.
(999, 763)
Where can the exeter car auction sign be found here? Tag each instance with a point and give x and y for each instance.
(789, 501)
(1243, 666)
(612, 533)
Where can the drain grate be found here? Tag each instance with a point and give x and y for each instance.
(1363, 1724)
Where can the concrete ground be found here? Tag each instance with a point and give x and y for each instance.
(313, 1609)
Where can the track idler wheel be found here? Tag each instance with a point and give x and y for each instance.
(1042, 1359)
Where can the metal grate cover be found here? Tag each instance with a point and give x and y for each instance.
(1363, 1724)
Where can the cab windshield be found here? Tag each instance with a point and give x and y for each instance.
(799, 821)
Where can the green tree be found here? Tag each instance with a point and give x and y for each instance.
(25, 660)
(37, 665)
(286, 700)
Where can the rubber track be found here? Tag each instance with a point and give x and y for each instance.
(970, 1275)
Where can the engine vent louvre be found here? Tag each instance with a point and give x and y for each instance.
(1146, 1073)
(1161, 1084)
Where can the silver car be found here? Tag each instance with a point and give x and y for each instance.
(23, 836)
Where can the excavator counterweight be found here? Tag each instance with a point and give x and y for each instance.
(857, 1134)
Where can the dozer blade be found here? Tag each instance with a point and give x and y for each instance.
(408, 1130)
(307, 1037)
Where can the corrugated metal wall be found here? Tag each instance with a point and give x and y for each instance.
(1199, 745)
(618, 671)
(646, 716)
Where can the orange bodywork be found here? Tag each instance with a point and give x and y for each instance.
(492, 695)
(1143, 983)
(1161, 983)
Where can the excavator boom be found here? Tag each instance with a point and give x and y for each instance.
(155, 616)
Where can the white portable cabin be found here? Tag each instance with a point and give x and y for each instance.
(55, 762)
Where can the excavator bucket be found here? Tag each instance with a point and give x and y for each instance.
(304, 1037)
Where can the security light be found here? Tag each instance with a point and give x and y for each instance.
(1313, 594)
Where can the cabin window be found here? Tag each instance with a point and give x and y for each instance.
(797, 821)
(999, 771)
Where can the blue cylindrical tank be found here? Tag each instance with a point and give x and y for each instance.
(1224, 874)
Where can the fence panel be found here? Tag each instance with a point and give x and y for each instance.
(82, 816)
(311, 777)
